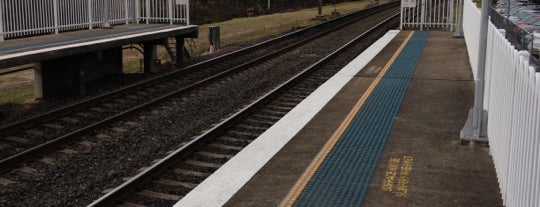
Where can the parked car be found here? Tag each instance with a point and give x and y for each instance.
(522, 3)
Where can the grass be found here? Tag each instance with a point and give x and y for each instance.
(19, 95)
(248, 29)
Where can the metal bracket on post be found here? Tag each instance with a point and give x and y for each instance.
(459, 26)
(475, 128)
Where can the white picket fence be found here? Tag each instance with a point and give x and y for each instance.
(33, 17)
(512, 99)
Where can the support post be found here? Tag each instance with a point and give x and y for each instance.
(459, 26)
(453, 14)
(422, 14)
(90, 25)
(180, 56)
(187, 12)
(508, 9)
(170, 9)
(269, 5)
(126, 11)
(147, 7)
(106, 22)
(82, 82)
(213, 39)
(401, 16)
(148, 57)
(1, 20)
(475, 128)
(320, 15)
(55, 11)
(137, 14)
(38, 81)
(320, 8)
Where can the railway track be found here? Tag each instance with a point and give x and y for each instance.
(167, 181)
(193, 83)
(29, 138)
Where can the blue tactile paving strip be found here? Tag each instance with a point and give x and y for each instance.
(344, 177)
(79, 37)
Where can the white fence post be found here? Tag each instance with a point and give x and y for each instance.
(401, 16)
(170, 9)
(459, 20)
(137, 11)
(450, 11)
(422, 14)
(147, 11)
(126, 12)
(90, 23)
(536, 156)
(187, 11)
(106, 12)
(55, 11)
(1, 21)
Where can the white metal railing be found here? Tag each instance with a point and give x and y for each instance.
(426, 14)
(512, 99)
(33, 17)
(159, 11)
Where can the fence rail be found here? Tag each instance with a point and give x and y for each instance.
(19, 18)
(512, 99)
(428, 14)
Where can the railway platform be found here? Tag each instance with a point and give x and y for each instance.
(45, 47)
(384, 131)
(66, 61)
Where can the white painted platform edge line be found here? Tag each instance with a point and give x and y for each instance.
(217, 189)
(3, 57)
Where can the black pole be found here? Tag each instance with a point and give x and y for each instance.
(320, 7)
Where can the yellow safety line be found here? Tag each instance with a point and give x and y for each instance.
(301, 184)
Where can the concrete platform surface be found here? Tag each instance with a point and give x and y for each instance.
(422, 163)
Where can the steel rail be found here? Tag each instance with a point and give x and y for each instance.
(53, 114)
(30, 154)
(130, 186)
